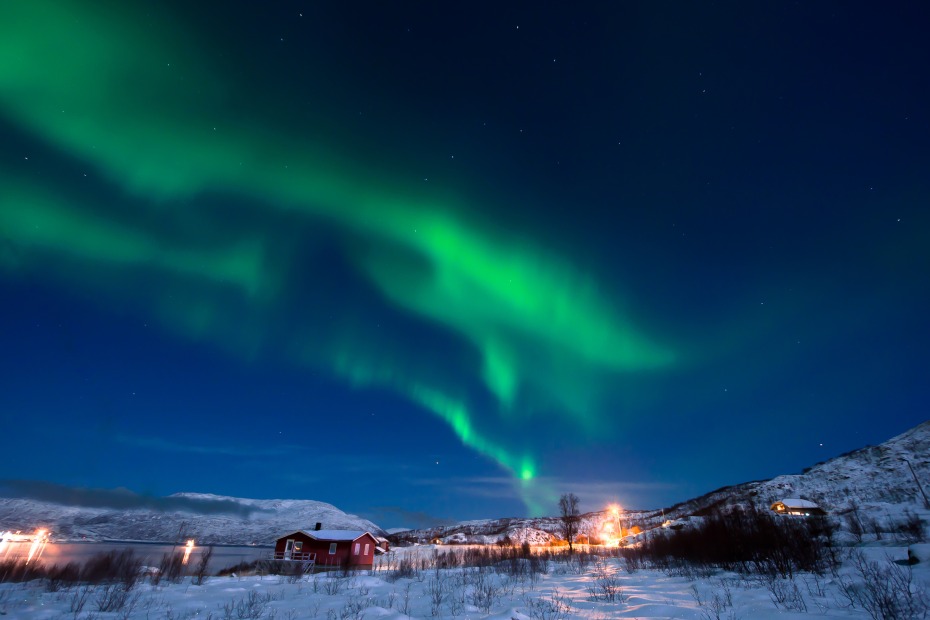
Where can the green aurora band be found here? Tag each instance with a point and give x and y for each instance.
(147, 113)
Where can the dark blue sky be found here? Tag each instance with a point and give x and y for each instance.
(431, 262)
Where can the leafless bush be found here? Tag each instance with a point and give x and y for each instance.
(605, 585)
(200, 571)
(239, 568)
(633, 560)
(713, 608)
(456, 596)
(171, 567)
(910, 530)
(332, 585)
(816, 586)
(115, 597)
(854, 524)
(354, 608)
(59, 577)
(874, 526)
(786, 595)
(405, 601)
(404, 568)
(115, 566)
(436, 591)
(485, 592)
(296, 570)
(747, 540)
(18, 571)
(79, 599)
(554, 608)
(250, 607)
(885, 591)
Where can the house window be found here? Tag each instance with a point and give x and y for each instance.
(332, 548)
(298, 546)
(366, 548)
(356, 548)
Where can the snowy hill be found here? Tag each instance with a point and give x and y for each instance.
(885, 475)
(210, 519)
(874, 479)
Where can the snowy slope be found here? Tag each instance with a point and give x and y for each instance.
(875, 479)
(872, 476)
(254, 522)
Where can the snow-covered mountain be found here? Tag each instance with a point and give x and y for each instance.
(882, 480)
(210, 519)
(889, 474)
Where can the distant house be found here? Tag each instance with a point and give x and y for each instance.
(798, 508)
(327, 548)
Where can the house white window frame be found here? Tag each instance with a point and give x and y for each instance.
(357, 546)
(332, 548)
(366, 548)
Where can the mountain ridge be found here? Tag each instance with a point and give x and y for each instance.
(236, 521)
(875, 479)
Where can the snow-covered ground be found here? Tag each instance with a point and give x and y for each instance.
(602, 588)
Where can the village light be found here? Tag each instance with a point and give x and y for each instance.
(187, 551)
(38, 543)
(609, 537)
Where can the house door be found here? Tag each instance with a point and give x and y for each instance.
(288, 548)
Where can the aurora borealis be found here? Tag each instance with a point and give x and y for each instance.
(465, 259)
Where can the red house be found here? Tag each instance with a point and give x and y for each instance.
(327, 548)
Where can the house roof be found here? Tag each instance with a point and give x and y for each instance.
(331, 535)
(794, 502)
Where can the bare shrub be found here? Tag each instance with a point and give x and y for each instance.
(436, 592)
(332, 585)
(239, 569)
(786, 595)
(113, 567)
(200, 571)
(485, 592)
(79, 599)
(910, 530)
(746, 541)
(713, 608)
(354, 608)
(59, 577)
(874, 526)
(171, 567)
(854, 524)
(250, 607)
(404, 607)
(18, 571)
(885, 591)
(605, 585)
(404, 568)
(115, 597)
(555, 607)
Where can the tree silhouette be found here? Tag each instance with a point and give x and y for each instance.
(568, 505)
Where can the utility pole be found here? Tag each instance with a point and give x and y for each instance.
(919, 486)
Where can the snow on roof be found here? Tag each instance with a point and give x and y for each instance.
(794, 502)
(330, 535)
(333, 535)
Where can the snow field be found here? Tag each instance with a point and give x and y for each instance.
(596, 588)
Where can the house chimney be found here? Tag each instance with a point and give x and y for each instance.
(319, 526)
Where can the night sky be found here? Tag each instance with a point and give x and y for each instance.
(439, 261)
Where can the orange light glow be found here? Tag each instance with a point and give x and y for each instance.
(187, 551)
(38, 545)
